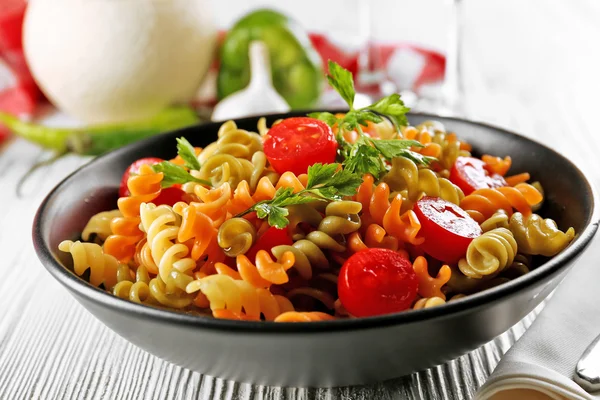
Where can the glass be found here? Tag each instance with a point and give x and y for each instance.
(392, 46)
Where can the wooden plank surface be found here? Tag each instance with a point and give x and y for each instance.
(531, 66)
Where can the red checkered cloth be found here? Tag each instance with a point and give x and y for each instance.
(18, 92)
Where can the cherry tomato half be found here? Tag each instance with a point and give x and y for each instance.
(297, 143)
(446, 227)
(470, 174)
(271, 238)
(169, 196)
(134, 169)
(377, 281)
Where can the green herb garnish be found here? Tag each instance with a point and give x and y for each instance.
(186, 151)
(367, 154)
(326, 182)
(175, 174)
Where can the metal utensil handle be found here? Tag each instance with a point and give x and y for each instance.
(587, 372)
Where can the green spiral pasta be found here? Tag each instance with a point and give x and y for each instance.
(236, 236)
(538, 236)
(99, 225)
(137, 291)
(341, 218)
(413, 183)
(462, 284)
(489, 253)
(171, 294)
(450, 148)
(302, 214)
(520, 266)
(498, 220)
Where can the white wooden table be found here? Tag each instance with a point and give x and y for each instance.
(531, 66)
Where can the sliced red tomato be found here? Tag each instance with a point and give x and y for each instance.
(134, 169)
(271, 238)
(297, 143)
(446, 227)
(377, 281)
(470, 174)
(169, 196)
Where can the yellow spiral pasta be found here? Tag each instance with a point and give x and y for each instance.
(99, 225)
(428, 302)
(489, 253)
(240, 297)
(161, 225)
(538, 236)
(103, 267)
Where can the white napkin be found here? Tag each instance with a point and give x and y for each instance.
(541, 364)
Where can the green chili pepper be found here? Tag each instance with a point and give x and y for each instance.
(295, 64)
(99, 139)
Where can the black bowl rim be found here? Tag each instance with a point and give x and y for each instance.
(487, 297)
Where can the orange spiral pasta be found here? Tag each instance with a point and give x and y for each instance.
(377, 209)
(144, 188)
(195, 226)
(243, 199)
(262, 275)
(428, 285)
(483, 203)
(213, 202)
(295, 316)
(497, 164)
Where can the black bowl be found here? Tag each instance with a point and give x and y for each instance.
(331, 353)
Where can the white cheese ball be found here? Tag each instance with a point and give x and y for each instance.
(118, 60)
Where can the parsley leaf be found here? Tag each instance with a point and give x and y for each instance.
(364, 159)
(326, 182)
(362, 117)
(175, 174)
(391, 149)
(330, 182)
(274, 210)
(187, 152)
(326, 117)
(341, 80)
(276, 216)
(392, 107)
(320, 173)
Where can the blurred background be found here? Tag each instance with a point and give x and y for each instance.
(101, 62)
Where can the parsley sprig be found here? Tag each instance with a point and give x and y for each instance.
(174, 174)
(326, 182)
(367, 155)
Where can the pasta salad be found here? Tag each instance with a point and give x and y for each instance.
(316, 218)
